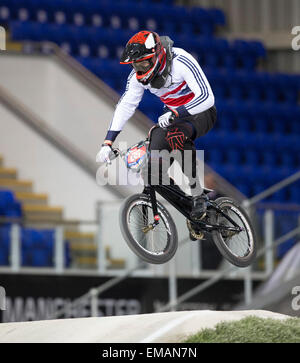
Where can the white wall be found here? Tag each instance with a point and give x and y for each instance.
(51, 171)
(62, 100)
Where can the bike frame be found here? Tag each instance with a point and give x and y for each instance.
(183, 203)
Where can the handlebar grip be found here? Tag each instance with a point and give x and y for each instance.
(115, 154)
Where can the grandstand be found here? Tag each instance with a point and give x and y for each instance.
(251, 104)
(254, 145)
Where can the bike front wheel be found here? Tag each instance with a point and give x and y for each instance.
(153, 244)
(238, 248)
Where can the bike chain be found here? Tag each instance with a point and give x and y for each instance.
(193, 233)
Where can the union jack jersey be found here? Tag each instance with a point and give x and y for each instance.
(186, 90)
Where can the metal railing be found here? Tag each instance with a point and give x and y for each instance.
(219, 276)
(273, 189)
(58, 257)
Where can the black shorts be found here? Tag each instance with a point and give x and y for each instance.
(190, 127)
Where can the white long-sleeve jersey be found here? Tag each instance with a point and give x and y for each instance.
(187, 90)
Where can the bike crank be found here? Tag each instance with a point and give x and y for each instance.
(193, 233)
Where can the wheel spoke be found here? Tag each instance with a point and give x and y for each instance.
(155, 240)
(238, 244)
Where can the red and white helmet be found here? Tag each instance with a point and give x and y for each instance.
(144, 51)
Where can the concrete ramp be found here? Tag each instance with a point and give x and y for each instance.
(168, 327)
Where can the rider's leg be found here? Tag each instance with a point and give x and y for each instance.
(202, 123)
(159, 159)
(167, 145)
(177, 138)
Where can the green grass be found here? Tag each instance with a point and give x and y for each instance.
(251, 330)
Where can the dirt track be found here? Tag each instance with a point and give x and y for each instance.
(143, 328)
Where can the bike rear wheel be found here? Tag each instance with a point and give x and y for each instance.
(238, 248)
(155, 245)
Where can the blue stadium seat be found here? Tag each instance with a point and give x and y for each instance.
(4, 245)
(202, 21)
(227, 120)
(219, 82)
(260, 119)
(244, 188)
(217, 16)
(7, 200)
(257, 188)
(244, 119)
(233, 156)
(251, 156)
(294, 195)
(28, 238)
(235, 86)
(38, 248)
(214, 156)
(252, 84)
(269, 158)
(6, 11)
(9, 206)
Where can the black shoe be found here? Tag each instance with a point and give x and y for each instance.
(199, 205)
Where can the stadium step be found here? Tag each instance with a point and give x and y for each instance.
(83, 254)
(32, 198)
(79, 237)
(39, 215)
(34, 213)
(114, 263)
(16, 185)
(68, 225)
(8, 173)
(84, 251)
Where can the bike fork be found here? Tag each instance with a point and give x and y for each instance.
(151, 192)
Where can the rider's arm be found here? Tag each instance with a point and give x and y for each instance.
(198, 84)
(125, 107)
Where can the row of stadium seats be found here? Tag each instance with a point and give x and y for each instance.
(268, 118)
(234, 155)
(109, 43)
(236, 85)
(254, 86)
(256, 117)
(258, 141)
(258, 178)
(160, 17)
(37, 246)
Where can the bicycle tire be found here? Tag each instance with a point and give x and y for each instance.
(165, 217)
(239, 261)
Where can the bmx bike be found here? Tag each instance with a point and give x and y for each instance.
(149, 229)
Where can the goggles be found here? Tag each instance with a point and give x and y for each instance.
(142, 66)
